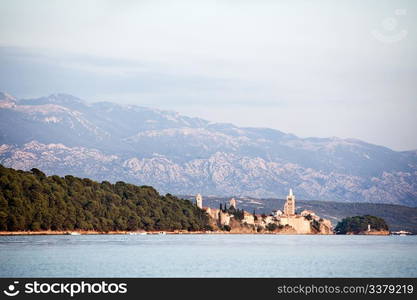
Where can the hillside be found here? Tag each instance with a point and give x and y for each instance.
(398, 217)
(61, 134)
(33, 201)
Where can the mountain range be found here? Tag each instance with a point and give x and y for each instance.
(62, 134)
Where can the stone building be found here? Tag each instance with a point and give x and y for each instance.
(233, 203)
(199, 201)
(248, 218)
(224, 218)
(303, 222)
(208, 211)
(277, 213)
(219, 217)
(289, 207)
(269, 219)
(299, 223)
(287, 221)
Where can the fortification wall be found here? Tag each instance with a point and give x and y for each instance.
(300, 224)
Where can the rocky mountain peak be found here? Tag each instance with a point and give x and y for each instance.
(57, 98)
(185, 155)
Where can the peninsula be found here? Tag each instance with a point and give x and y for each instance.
(33, 203)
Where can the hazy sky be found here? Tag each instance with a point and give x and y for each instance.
(312, 68)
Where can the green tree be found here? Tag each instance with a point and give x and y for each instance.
(272, 227)
(359, 224)
(34, 201)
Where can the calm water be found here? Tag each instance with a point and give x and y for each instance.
(208, 256)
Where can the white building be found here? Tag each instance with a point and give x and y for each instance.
(289, 207)
(278, 213)
(199, 200)
(233, 203)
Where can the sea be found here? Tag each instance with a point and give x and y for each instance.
(208, 255)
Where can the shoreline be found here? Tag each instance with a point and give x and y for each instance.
(160, 232)
(92, 232)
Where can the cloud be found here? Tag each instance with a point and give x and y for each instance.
(311, 69)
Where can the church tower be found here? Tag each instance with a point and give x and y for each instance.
(232, 202)
(289, 207)
(199, 201)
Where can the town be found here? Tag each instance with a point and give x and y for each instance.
(285, 221)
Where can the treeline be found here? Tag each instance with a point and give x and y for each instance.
(360, 224)
(34, 201)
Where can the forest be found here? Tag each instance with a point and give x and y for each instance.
(360, 224)
(30, 200)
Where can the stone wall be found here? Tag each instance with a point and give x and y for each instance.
(300, 224)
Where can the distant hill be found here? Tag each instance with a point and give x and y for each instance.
(398, 217)
(33, 201)
(62, 134)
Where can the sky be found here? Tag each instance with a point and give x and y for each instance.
(311, 68)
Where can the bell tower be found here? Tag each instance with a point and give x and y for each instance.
(289, 207)
(232, 202)
(199, 200)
